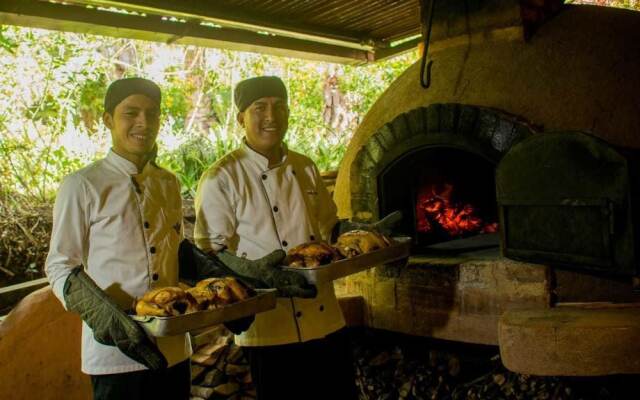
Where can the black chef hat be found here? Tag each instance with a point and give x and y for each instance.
(123, 88)
(252, 89)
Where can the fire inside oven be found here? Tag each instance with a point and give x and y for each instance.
(444, 193)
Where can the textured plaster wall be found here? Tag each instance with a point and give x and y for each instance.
(40, 351)
(580, 71)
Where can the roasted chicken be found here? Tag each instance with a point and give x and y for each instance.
(208, 294)
(217, 292)
(311, 254)
(357, 242)
(165, 302)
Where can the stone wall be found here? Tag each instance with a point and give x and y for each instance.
(448, 298)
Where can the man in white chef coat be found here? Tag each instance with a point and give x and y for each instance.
(120, 217)
(262, 197)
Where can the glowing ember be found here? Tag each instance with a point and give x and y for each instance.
(434, 206)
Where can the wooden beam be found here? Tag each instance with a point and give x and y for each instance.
(386, 53)
(11, 295)
(238, 18)
(80, 19)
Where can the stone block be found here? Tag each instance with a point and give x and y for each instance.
(417, 122)
(361, 202)
(384, 294)
(401, 128)
(368, 183)
(571, 341)
(375, 150)
(491, 287)
(467, 120)
(386, 137)
(486, 127)
(430, 275)
(574, 286)
(433, 118)
(448, 118)
(503, 135)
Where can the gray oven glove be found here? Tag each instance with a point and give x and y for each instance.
(111, 326)
(384, 226)
(267, 270)
(264, 272)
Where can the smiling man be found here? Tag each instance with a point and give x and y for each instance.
(116, 234)
(259, 198)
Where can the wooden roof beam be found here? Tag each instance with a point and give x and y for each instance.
(237, 19)
(80, 19)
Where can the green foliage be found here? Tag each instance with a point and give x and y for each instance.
(192, 158)
(175, 103)
(53, 85)
(7, 43)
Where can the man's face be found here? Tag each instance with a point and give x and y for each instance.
(134, 126)
(265, 122)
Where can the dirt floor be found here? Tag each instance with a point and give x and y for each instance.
(394, 366)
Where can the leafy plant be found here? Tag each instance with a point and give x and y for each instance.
(192, 158)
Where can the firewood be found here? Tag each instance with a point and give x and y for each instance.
(227, 389)
(200, 391)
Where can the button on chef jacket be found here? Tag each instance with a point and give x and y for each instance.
(252, 209)
(125, 228)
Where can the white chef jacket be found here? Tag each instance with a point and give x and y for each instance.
(252, 209)
(125, 228)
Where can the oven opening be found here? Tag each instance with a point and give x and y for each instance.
(446, 195)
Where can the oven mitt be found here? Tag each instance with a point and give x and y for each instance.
(196, 265)
(384, 226)
(111, 326)
(267, 270)
(264, 272)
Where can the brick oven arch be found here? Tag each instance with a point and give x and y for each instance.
(486, 132)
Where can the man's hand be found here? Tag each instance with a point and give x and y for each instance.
(111, 326)
(264, 272)
(196, 265)
(267, 270)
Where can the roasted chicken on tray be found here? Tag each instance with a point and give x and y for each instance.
(312, 254)
(214, 292)
(357, 242)
(208, 294)
(165, 302)
(349, 244)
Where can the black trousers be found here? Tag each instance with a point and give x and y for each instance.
(172, 384)
(318, 369)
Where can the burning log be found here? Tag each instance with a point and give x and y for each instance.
(435, 207)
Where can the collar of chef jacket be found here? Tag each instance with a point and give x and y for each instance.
(261, 161)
